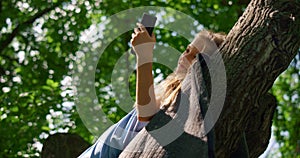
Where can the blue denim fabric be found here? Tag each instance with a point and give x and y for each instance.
(113, 141)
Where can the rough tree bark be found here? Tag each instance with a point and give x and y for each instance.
(259, 47)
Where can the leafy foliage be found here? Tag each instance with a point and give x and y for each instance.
(40, 40)
(286, 121)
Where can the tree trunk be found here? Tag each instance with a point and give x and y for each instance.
(258, 48)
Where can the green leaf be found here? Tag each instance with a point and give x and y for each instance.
(45, 128)
(47, 88)
(52, 84)
(14, 109)
(49, 39)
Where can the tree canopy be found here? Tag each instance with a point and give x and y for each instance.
(40, 42)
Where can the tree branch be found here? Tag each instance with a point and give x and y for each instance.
(23, 25)
(259, 47)
(9, 58)
(0, 6)
(259, 126)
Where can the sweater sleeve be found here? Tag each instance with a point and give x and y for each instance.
(112, 142)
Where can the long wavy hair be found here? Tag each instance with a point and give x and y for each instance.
(172, 84)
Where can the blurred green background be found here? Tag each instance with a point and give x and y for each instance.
(40, 42)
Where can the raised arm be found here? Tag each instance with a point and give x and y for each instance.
(143, 45)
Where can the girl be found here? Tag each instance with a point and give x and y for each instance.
(148, 100)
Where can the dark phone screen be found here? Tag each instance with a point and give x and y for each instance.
(149, 22)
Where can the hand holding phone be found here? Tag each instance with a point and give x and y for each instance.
(149, 22)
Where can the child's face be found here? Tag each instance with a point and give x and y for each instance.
(186, 59)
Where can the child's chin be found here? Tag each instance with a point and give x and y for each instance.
(180, 71)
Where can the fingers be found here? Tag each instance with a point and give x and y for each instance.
(136, 30)
(131, 41)
(140, 35)
(153, 36)
(141, 27)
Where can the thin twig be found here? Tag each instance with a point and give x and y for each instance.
(23, 25)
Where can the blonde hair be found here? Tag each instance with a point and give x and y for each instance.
(172, 84)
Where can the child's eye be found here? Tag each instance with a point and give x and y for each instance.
(187, 50)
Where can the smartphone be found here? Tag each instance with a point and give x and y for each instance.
(149, 22)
